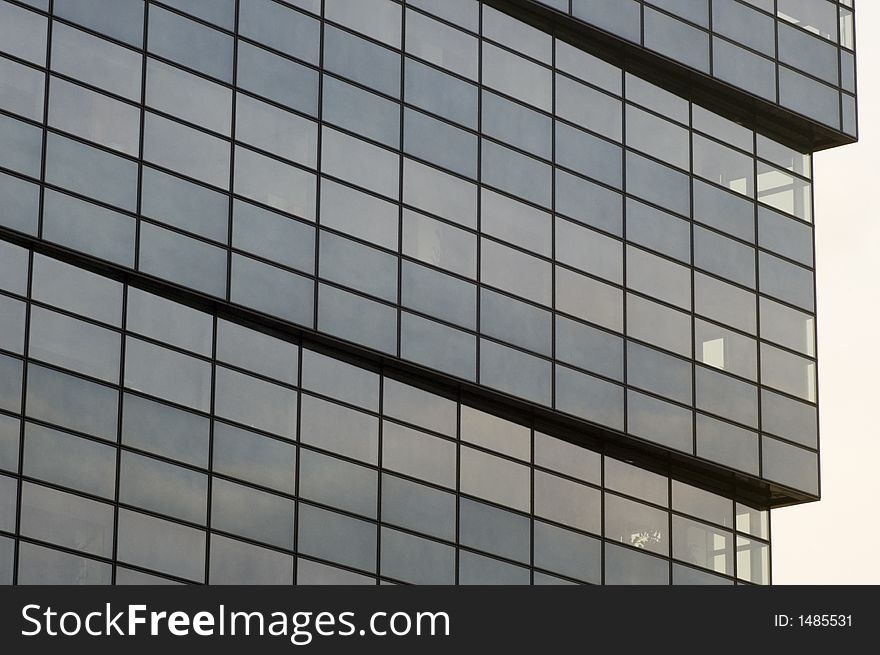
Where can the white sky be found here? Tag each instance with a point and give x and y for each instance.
(837, 540)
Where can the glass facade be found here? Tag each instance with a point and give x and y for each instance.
(159, 441)
(350, 291)
(796, 54)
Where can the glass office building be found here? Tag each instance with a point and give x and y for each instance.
(432, 292)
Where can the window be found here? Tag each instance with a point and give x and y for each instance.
(164, 430)
(88, 228)
(66, 520)
(73, 344)
(163, 488)
(587, 107)
(361, 61)
(359, 214)
(64, 400)
(636, 525)
(379, 19)
(658, 278)
(361, 163)
(589, 155)
(121, 19)
(257, 352)
(440, 295)
(20, 146)
(276, 131)
(255, 403)
(338, 429)
(418, 455)
(161, 545)
(416, 560)
(515, 372)
(277, 78)
(96, 61)
(94, 116)
(186, 150)
(191, 44)
(568, 503)
(494, 530)
(439, 93)
(272, 290)
(161, 319)
(280, 28)
(273, 236)
(166, 374)
(334, 482)
(275, 184)
(439, 244)
(254, 458)
(235, 562)
(250, 513)
(76, 290)
(509, 482)
(359, 267)
(516, 272)
(517, 125)
(335, 378)
(440, 143)
(189, 262)
(347, 541)
(191, 207)
(441, 45)
(360, 111)
(193, 98)
(417, 507)
(516, 322)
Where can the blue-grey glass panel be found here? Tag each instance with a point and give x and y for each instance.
(438, 346)
(121, 19)
(620, 17)
(88, 228)
(255, 458)
(254, 514)
(589, 398)
(515, 372)
(164, 430)
(676, 39)
(360, 111)
(191, 44)
(277, 78)
(272, 290)
(415, 560)
(744, 25)
(362, 61)
(337, 538)
(177, 258)
(661, 422)
(19, 200)
(494, 530)
(161, 545)
(276, 26)
(440, 93)
(357, 319)
(516, 322)
(71, 402)
(744, 68)
(163, 488)
(184, 205)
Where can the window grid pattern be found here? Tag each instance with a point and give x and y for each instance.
(584, 269)
(800, 55)
(228, 455)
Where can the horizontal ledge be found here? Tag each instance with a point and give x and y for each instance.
(765, 117)
(748, 489)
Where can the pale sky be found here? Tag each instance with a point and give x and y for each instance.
(837, 540)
